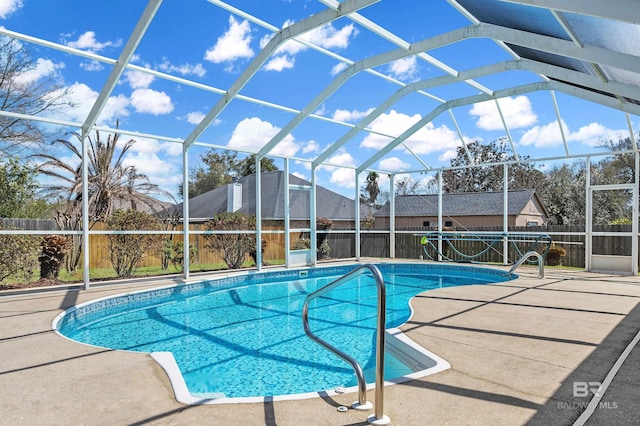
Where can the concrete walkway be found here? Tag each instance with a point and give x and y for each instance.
(519, 353)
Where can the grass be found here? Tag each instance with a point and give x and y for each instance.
(99, 274)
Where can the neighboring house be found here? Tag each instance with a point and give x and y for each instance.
(465, 210)
(151, 206)
(241, 197)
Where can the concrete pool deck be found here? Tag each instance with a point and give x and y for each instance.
(519, 352)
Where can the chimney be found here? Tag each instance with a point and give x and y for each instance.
(234, 197)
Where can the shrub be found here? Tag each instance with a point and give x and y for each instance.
(323, 223)
(18, 256)
(254, 254)
(53, 248)
(126, 250)
(555, 254)
(174, 253)
(302, 244)
(232, 248)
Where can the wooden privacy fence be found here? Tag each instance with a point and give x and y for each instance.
(374, 243)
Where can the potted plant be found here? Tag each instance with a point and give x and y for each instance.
(555, 255)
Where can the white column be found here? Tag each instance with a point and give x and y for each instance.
(505, 216)
(357, 215)
(185, 211)
(588, 216)
(287, 215)
(634, 217)
(85, 212)
(440, 216)
(312, 217)
(258, 215)
(392, 218)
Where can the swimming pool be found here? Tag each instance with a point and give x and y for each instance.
(242, 337)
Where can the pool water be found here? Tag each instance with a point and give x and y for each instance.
(241, 340)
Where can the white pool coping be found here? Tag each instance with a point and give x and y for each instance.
(395, 337)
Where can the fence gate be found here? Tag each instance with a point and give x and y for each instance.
(607, 250)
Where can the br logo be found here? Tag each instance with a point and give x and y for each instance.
(582, 389)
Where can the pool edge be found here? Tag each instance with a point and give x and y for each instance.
(394, 337)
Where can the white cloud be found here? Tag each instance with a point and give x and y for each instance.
(393, 164)
(7, 7)
(338, 68)
(448, 155)
(87, 41)
(517, 113)
(232, 45)
(151, 101)
(310, 147)
(544, 136)
(183, 69)
(549, 135)
(251, 134)
(321, 111)
(165, 174)
(341, 176)
(329, 37)
(426, 140)
(195, 117)
(149, 146)
(350, 116)
(81, 99)
(326, 36)
(138, 79)
(405, 68)
(115, 108)
(280, 63)
(91, 66)
(594, 133)
(300, 175)
(43, 68)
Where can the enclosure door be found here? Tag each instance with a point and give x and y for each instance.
(612, 211)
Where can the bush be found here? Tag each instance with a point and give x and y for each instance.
(232, 248)
(555, 254)
(302, 244)
(54, 248)
(126, 251)
(18, 256)
(174, 253)
(323, 223)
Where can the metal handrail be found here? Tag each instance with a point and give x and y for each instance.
(380, 338)
(526, 256)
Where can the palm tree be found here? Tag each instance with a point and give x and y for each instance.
(111, 184)
(372, 188)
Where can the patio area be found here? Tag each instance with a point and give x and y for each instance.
(516, 350)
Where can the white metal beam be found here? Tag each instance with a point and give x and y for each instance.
(296, 29)
(124, 58)
(552, 85)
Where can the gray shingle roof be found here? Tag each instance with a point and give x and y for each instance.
(328, 203)
(459, 204)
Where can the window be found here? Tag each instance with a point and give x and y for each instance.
(426, 224)
(448, 223)
(532, 223)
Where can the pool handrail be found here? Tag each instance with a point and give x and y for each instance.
(526, 256)
(362, 403)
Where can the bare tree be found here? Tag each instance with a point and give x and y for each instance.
(23, 92)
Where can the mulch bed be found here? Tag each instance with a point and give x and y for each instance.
(43, 282)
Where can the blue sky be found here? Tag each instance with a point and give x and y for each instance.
(208, 44)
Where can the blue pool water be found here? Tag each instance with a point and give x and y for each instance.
(242, 336)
